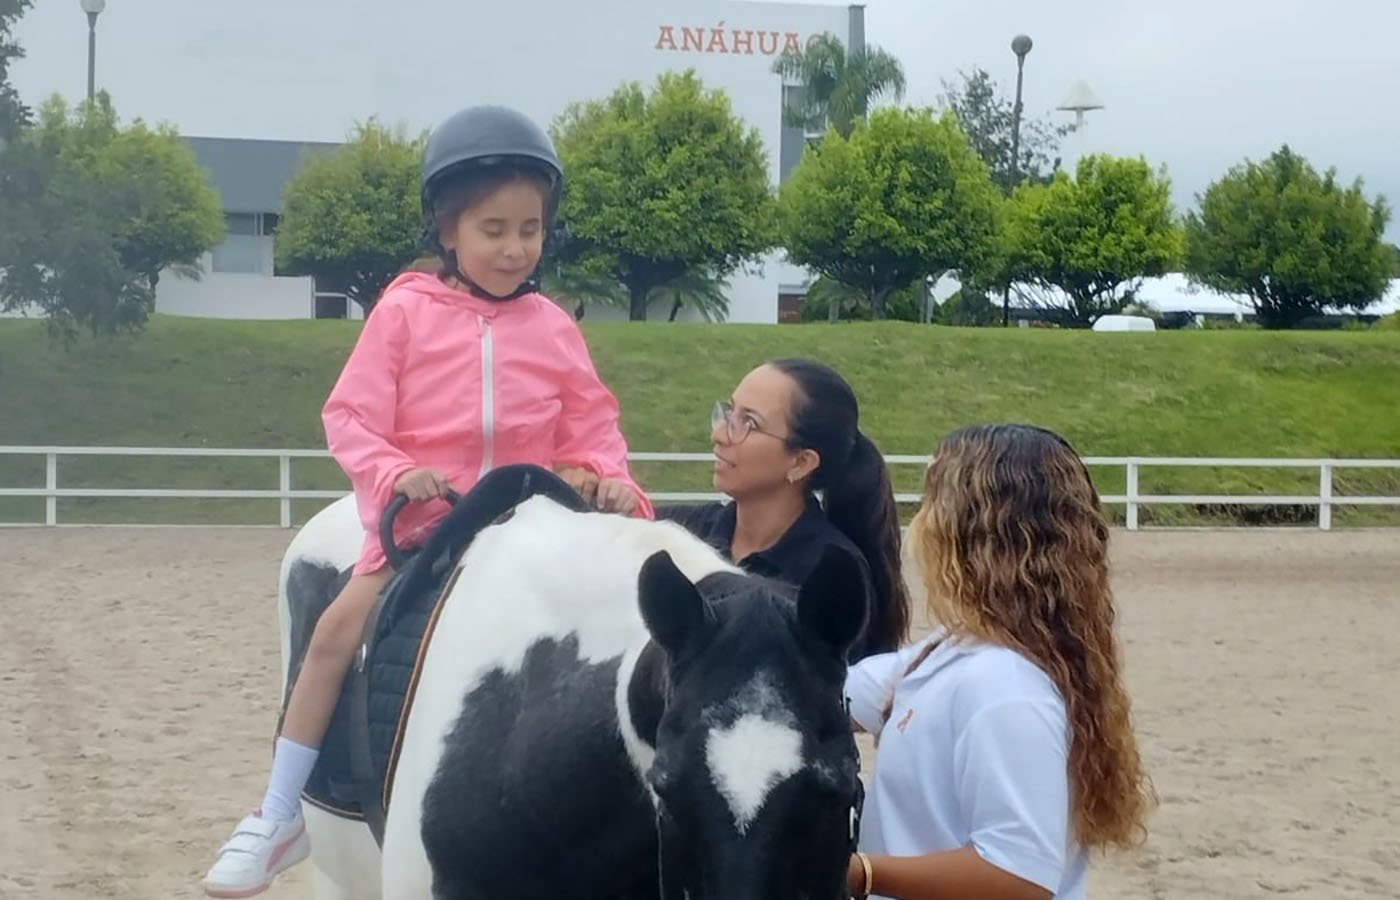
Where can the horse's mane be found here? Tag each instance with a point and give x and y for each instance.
(691, 554)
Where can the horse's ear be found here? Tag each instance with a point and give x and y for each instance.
(831, 602)
(672, 608)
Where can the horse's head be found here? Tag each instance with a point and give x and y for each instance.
(756, 776)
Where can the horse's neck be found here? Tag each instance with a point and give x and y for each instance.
(646, 693)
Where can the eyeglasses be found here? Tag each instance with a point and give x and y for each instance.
(736, 428)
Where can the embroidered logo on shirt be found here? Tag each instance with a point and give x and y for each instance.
(904, 719)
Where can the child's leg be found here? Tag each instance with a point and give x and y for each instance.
(317, 690)
(273, 839)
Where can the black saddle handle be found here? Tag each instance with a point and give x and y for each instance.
(392, 552)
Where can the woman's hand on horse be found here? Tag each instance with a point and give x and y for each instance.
(422, 484)
(616, 496)
(581, 480)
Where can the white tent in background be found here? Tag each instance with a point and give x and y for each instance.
(1173, 292)
(1169, 293)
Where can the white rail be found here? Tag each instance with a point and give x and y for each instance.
(1325, 499)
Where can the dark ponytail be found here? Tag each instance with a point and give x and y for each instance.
(859, 500)
(857, 494)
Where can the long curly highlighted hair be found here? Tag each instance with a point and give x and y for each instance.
(1013, 545)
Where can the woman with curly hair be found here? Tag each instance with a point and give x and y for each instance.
(1006, 749)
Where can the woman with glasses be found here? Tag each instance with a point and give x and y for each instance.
(790, 430)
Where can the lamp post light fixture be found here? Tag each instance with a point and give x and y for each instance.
(1020, 45)
(92, 8)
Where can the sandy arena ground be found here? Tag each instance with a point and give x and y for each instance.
(138, 690)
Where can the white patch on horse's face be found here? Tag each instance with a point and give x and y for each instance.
(748, 759)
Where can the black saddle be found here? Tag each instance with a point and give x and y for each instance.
(360, 747)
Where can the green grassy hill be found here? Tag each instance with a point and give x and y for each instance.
(210, 383)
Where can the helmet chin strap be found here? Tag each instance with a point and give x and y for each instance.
(530, 285)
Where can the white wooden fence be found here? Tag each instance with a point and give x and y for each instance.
(1325, 499)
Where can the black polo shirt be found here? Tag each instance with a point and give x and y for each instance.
(790, 560)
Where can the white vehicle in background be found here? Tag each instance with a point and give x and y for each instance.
(1124, 323)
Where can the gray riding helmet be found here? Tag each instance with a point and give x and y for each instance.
(487, 135)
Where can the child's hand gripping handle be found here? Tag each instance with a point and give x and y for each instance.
(392, 552)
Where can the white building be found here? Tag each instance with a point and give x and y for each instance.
(255, 84)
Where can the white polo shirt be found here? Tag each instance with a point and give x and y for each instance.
(975, 752)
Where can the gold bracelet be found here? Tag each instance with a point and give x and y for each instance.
(869, 875)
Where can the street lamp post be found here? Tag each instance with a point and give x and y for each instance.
(1020, 45)
(92, 8)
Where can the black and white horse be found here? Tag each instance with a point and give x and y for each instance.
(608, 709)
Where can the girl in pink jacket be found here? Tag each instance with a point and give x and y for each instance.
(453, 374)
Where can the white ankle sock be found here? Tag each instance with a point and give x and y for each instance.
(291, 767)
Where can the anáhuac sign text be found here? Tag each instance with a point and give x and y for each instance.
(718, 39)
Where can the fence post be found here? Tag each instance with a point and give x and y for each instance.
(1132, 495)
(284, 484)
(51, 485)
(1324, 493)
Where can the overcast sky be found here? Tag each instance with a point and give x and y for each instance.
(1196, 84)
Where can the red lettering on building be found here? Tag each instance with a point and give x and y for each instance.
(719, 39)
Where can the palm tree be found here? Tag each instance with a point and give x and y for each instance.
(569, 284)
(838, 87)
(837, 298)
(699, 289)
(829, 297)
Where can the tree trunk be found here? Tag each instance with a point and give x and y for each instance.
(877, 302)
(675, 309)
(1081, 309)
(364, 300)
(637, 306)
(1277, 311)
(1279, 318)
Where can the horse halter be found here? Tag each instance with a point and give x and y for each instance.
(857, 795)
(672, 886)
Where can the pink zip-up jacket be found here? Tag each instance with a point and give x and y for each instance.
(444, 379)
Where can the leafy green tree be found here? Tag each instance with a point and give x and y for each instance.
(95, 212)
(14, 115)
(58, 256)
(1291, 240)
(838, 87)
(169, 212)
(903, 197)
(352, 216)
(22, 171)
(661, 184)
(1094, 236)
(968, 307)
(988, 118)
